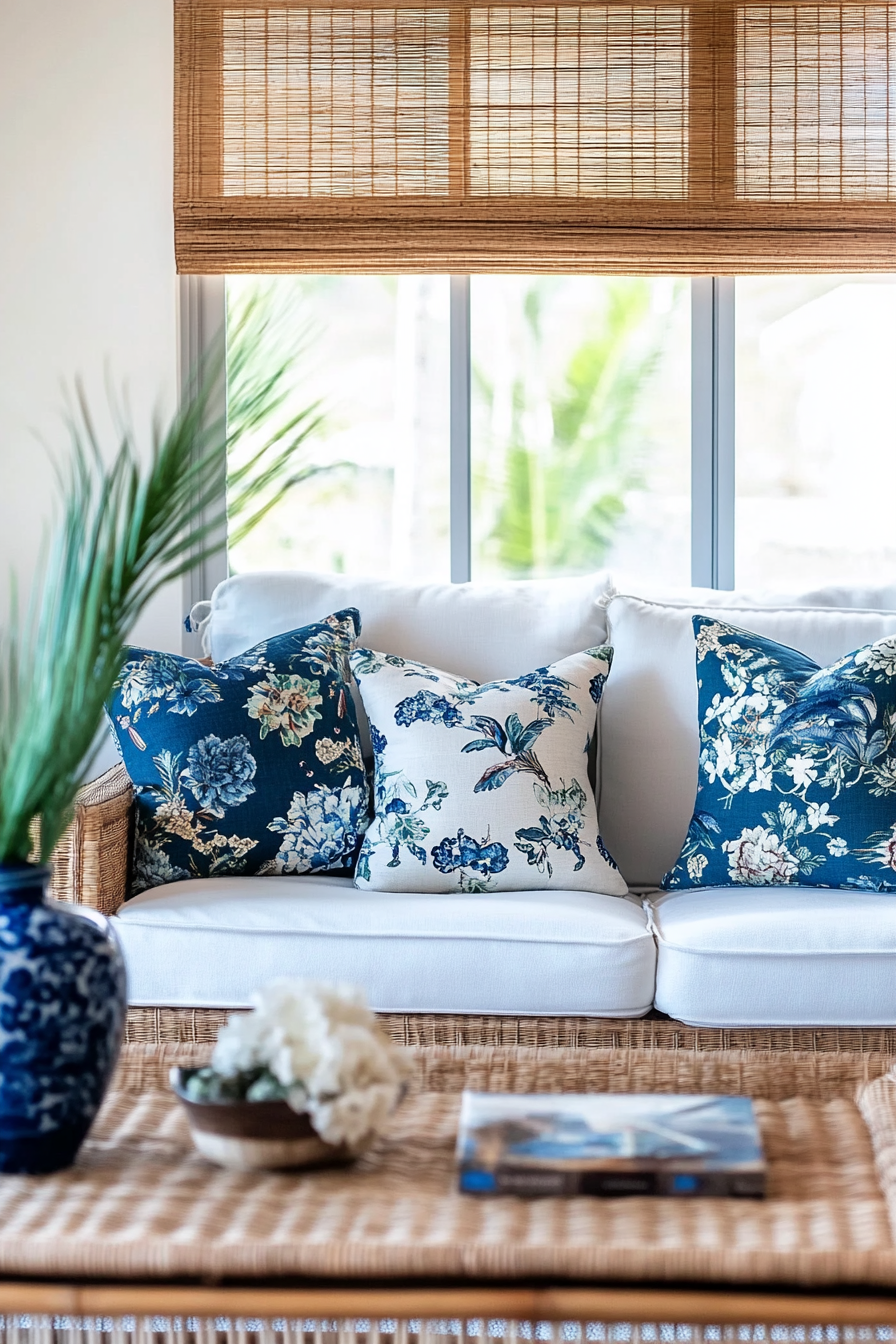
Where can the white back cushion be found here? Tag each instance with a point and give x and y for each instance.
(649, 737)
(853, 597)
(484, 631)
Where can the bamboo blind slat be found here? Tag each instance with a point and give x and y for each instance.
(451, 134)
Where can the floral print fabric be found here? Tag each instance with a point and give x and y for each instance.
(250, 766)
(483, 788)
(797, 778)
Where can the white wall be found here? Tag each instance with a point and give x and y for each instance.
(87, 276)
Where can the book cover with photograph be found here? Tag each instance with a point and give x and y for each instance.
(609, 1144)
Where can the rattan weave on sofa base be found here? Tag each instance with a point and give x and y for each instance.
(159, 1025)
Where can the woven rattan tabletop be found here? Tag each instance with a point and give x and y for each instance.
(140, 1203)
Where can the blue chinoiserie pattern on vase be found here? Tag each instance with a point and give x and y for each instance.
(62, 1010)
(797, 772)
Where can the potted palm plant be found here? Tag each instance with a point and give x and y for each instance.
(127, 524)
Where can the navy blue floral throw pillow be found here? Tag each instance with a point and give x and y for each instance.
(250, 766)
(797, 782)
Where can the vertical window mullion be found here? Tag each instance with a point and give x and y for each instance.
(725, 482)
(460, 504)
(202, 310)
(712, 431)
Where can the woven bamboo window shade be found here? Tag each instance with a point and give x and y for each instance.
(452, 135)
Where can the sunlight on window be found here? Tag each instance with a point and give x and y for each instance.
(816, 429)
(373, 351)
(581, 426)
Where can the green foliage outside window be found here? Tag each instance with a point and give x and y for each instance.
(569, 450)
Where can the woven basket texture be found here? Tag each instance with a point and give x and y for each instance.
(200, 1025)
(91, 863)
(38, 1328)
(140, 1203)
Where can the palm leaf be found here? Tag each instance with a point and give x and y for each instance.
(490, 727)
(514, 728)
(125, 528)
(495, 776)
(558, 507)
(525, 737)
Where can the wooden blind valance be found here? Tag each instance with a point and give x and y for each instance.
(452, 135)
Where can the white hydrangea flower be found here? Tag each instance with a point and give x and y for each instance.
(240, 1045)
(352, 1116)
(355, 1058)
(322, 1043)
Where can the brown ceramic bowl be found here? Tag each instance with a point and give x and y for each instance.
(254, 1135)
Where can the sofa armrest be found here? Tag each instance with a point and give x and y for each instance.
(91, 863)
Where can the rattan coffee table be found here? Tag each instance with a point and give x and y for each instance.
(143, 1237)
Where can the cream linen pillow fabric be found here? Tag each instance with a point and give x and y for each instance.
(483, 788)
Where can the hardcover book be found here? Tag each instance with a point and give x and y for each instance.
(609, 1144)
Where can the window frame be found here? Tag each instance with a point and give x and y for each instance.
(201, 319)
(713, 481)
(202, 316)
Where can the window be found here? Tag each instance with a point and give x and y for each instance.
(816, 429)
(711, 431)
(580, 437)
(373, 352)
(727, 431)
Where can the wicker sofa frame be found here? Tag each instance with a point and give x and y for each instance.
(91, 866)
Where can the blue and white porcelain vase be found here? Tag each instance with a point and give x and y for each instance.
(62, 1011)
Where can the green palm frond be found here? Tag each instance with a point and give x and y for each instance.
(126, 527)
(561, 500)
(267, 417)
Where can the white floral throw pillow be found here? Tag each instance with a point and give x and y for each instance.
(483, 788)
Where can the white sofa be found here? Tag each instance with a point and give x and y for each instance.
(753, 957)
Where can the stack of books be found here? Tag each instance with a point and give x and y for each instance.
(609, 1144)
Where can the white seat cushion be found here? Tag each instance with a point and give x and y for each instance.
(210, 943)
(776, 956)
